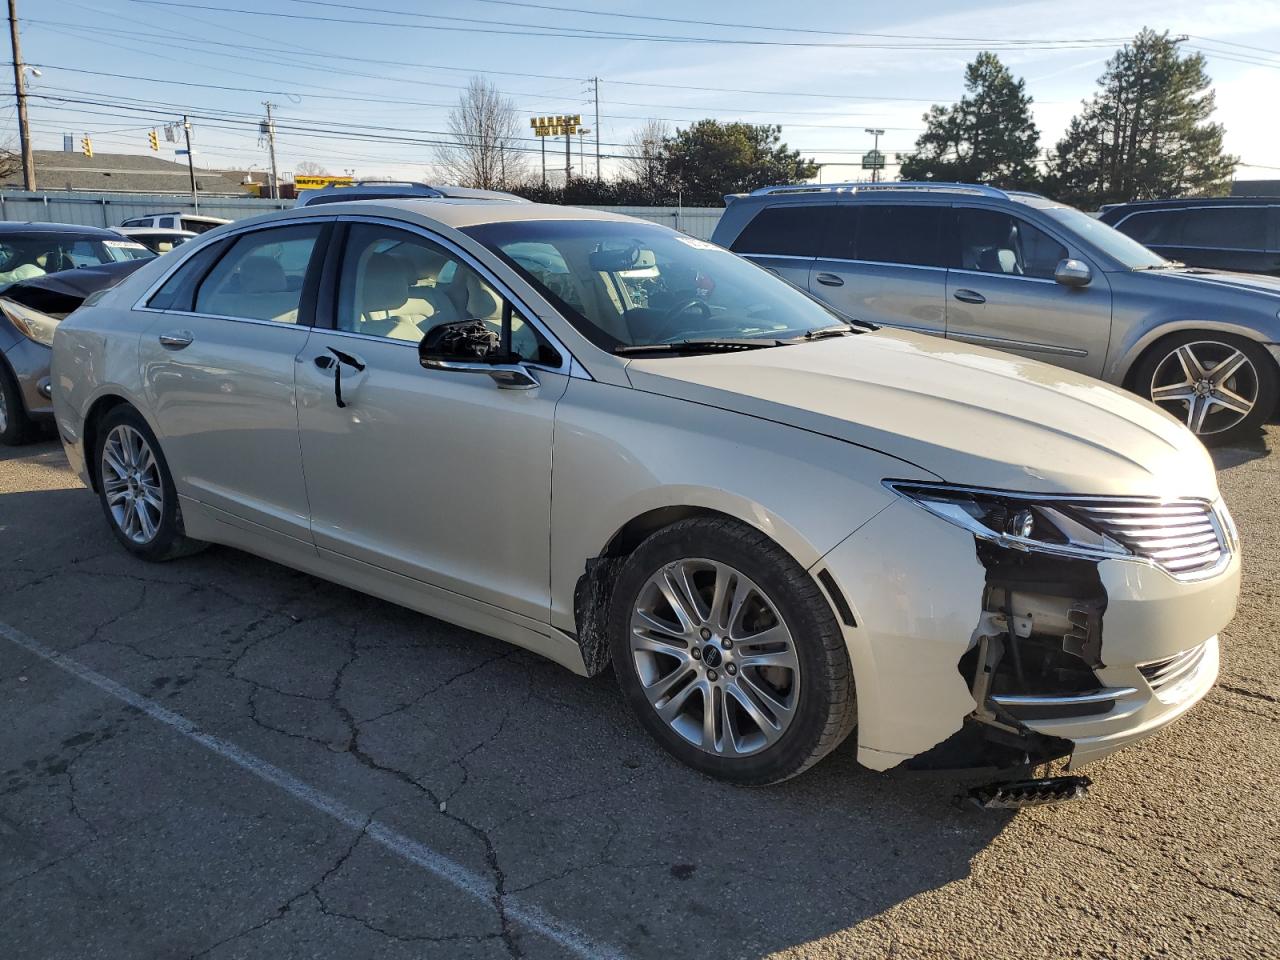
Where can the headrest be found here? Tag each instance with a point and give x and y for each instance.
(480, 302)
(386, 283)
(261, 274)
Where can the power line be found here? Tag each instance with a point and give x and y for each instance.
(539, 30)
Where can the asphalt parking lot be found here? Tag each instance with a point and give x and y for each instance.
(220, 758)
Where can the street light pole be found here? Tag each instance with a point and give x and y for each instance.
(271, 146)
(20, 89)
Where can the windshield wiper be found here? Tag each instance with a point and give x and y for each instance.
(720, 345)
(844, 330)
(1168, 265)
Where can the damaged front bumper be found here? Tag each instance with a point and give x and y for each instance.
(968, 654)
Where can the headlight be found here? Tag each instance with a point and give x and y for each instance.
(32, 324)
(1017, 521)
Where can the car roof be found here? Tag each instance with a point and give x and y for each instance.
(1182, 202)
(36, 226)
(148, 231)
(460, 212)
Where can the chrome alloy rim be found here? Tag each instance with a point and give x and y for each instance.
(1210, 385)
(131, 483)
(714, 657)
(4, 413)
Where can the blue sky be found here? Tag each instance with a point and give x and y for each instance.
(331, 79)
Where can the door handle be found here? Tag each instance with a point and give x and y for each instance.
(829, 280)
(325, 362)
(333, 360)
(176, 340)
(970, 296)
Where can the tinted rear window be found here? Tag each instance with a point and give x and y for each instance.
(792, 231)
(1154, 228)
(892, 233)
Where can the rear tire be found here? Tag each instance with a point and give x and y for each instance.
(749, 681)
(1222, 386)
(15, 426)
(136, 489)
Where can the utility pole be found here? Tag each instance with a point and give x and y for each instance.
(543, 141)
(191, 163)
(582, 132)
(270, 131)
(596, 81)
(20, 88)
(568, 155)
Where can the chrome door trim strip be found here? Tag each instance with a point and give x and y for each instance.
(1018, 344)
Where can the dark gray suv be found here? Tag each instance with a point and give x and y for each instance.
(1018, 272)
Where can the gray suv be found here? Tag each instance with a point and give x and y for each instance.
(1018, 272)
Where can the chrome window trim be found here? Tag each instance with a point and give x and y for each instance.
(568, 362)
(193, 248)
(1198, 206)
(1020, 344)
(1006, 276)
(875, 263)
(774, 256)
(563, 369)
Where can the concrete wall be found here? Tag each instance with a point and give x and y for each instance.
(109, 209)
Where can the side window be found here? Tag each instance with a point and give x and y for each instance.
(791, 231)
(994, 242)
(179, 290)
(889, 233)
(842, 232)
(262, 275)
(1239, 228)
(399, 285)
(1157, 228)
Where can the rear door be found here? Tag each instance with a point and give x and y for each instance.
(219, 366)
(1227, 238)
(884, 262)
(785, 238)
(1002, 293)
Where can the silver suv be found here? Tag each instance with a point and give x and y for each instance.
(1018, 272)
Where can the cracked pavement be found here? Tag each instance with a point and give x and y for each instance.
(121, 837)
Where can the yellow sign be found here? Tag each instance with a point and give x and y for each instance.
(304, 182)
(561, 125)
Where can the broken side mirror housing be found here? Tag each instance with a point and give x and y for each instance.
(1073, 273)
(470, 346)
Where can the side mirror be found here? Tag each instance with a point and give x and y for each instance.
(1073, 273)
(469, 346)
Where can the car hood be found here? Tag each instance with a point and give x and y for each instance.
(966, 414)
(1224, 279)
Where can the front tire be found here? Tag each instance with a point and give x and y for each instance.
(728, 652)
(136, 489)
(15, 426)
(1223, 387)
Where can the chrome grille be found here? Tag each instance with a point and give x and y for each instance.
(1167, 672)
(1181, 536)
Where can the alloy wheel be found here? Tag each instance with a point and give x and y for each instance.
(714, 657)
(4, 412)
(1211, 386)
(131, 484)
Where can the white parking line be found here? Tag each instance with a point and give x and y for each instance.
(473, 884)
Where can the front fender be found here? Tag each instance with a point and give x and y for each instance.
(621, 453)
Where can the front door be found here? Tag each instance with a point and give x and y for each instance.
(437, 475)
(1003, 295)
(218, 368)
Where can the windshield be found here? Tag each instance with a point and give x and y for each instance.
(1108, 239)
(626, 284)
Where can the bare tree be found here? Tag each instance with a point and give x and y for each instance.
(10, 160)
(484, 148)
(309, 168)
(642, 156)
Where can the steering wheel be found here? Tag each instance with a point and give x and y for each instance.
(667, 320)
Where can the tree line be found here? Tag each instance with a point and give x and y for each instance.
(1146, 133)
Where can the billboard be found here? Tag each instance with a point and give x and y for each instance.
(310, 182)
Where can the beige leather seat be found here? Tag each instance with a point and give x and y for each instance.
(263, 293)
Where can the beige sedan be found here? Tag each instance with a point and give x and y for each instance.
(605, 441)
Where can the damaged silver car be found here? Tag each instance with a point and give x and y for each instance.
(607, 442)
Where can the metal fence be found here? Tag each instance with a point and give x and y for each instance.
(111, 209)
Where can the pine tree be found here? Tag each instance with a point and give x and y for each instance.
(1146, 133)
(988, 137)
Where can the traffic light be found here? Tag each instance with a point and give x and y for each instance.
(86, 146)
(154, 139)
